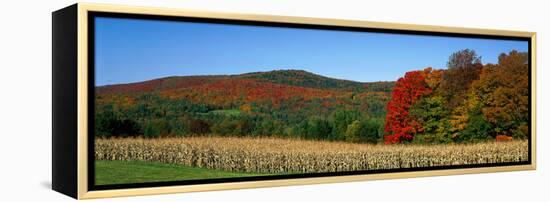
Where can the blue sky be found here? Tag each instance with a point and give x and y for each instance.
(132, 50)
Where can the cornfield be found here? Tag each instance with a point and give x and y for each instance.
(272, 155)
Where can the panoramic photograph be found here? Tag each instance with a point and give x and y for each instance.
(177, 101)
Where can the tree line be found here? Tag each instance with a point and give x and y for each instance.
(467, 102)
(341, 125)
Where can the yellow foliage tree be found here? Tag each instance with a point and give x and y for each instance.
(503, 93)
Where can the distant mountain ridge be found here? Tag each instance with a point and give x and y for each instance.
(302, 78)
(296, 78)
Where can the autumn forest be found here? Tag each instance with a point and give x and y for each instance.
(467, 102)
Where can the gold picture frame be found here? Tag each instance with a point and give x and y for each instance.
(71, 174)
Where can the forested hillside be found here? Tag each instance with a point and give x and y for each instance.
(284, 103)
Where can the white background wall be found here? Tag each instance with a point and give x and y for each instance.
(25, 100)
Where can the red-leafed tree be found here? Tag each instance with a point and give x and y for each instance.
(399, 125)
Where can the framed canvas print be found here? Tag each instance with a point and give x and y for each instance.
(152, 101)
